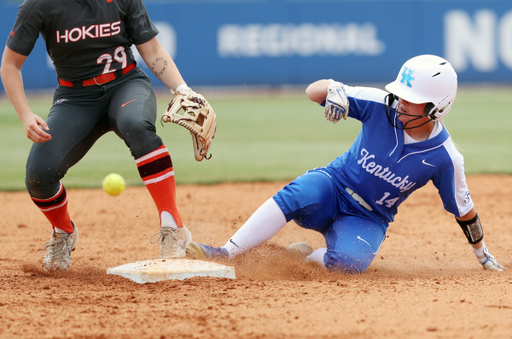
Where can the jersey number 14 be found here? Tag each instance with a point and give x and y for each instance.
(389, 203)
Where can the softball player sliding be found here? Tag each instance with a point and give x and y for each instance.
(351, 201)
(100, 89)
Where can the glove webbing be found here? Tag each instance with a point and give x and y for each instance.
(182, 123)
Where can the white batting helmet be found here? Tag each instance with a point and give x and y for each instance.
(427, 79)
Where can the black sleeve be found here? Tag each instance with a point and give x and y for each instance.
(27, 26)
(139, 27)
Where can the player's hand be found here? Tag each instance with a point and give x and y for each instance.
(336, 103)
(35, 127)
(489, 262)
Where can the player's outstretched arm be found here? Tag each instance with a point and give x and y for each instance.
(161, 64)
(10, 72)
(472, 228)
(198, 115)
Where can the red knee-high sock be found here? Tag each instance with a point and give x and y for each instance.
(155, 169)
(56, 210)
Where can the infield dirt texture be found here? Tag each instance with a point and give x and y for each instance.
(424, 283)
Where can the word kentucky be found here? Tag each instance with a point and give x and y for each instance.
(384, 173)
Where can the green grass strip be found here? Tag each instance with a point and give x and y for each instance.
(265, 138)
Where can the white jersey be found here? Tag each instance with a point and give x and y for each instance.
(384, 169)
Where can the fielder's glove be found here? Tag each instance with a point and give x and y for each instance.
(198, 117)
(336, 102)
(487, 260)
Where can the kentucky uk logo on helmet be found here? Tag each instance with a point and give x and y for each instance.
(407, 77)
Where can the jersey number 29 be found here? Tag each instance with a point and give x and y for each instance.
(119, 56)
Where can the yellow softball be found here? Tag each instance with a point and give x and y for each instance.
(113, 184)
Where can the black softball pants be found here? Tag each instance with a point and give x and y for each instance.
(81, 115)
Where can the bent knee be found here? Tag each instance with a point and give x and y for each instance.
(42, 184)
(141, 138)
(347, 262)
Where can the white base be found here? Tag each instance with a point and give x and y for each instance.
(165, 269)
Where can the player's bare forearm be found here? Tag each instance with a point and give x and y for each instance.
(160, 63)
(468, 216)
(13, 84)
(317, 91)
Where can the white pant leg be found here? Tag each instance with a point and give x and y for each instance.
(318, 256)
(263, 224)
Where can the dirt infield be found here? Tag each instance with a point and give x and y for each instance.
(424, 283)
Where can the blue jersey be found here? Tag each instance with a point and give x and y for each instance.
(384, 170)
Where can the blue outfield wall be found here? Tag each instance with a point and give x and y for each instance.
(296, 42)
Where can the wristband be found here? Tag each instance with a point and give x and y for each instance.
(472, 229)
(180, 88)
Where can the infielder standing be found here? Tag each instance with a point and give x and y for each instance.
(401, 147)
(100, 90)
